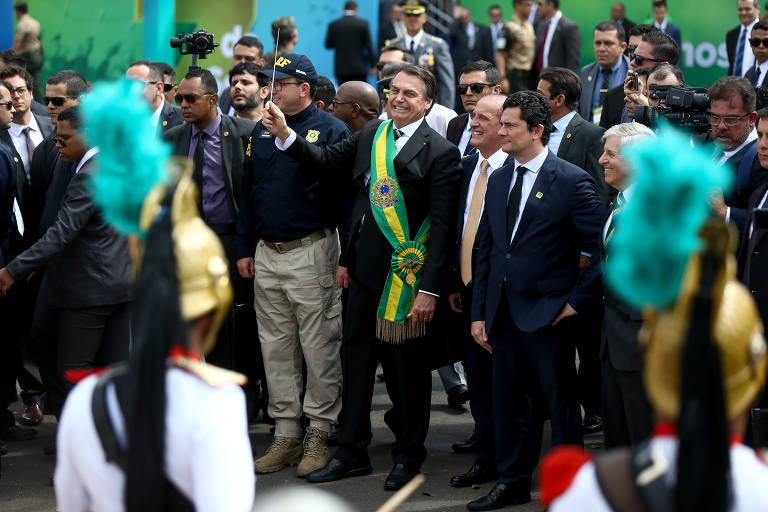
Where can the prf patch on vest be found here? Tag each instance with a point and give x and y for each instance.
(312, 135)
(265, 134)
(248, 149)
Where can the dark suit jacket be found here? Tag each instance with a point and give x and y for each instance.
(456, 127)
(628, 25)
(351, 38)
(234, 138)
(7, 193)
(613, 106)
(581, 146)
(754, 253)
(462, 54)
(170, 117)
(427, 168)
(673, 31)
(40, 110)
(87, 263)
(225, 100)
(751, 73)
(538, 271)
(746, 181)
(589, 80)
(565, 48)
(731, 42)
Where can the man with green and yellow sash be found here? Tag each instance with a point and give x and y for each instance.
(399, 257)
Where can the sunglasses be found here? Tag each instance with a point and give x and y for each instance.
(476, 88)
(59, 140)
(189, 98)
(56, 100)
(640, 59)
(168, 87)
(7, 104)
(756, 41)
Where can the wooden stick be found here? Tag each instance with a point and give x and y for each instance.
(400, 496)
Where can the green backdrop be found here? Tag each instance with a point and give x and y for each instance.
(701, 23)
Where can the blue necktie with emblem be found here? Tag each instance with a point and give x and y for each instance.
(737, 71)
(616, 207)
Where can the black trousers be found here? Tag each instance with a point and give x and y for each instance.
(627, 415)
(409, 384)
(478, 366)
(586, 333)
(92, 337)
(533, 373)
(45, 345)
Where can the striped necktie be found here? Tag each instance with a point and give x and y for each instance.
(616, 208)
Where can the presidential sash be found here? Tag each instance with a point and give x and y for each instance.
(408, 257)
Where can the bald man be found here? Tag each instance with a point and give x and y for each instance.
(355, 103)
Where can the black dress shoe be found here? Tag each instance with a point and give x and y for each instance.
(458, 396)
(33, 415)
(336, 470)
(467, 445)
(399, 476)
(501, 496)
(592, 423)
(16, 433)
(477, 474)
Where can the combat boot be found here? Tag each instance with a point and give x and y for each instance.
(284, 451)
(316, 454)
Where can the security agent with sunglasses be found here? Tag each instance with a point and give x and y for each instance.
(476, 80)
(759, 43)
(164, 115)
(216, 144)
(289, 243)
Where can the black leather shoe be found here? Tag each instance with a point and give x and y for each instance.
(467, 445)
(336, 470)
(501, 496)
(399, 476)
(16, 433)
(477, 474)
(592, 423)
(33, 415)
(458, 396)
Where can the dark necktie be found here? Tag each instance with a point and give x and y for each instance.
(540, 57)
(616, 207)
(30, 149)
(469, 150)
(199, 161)
(413, 46)
(397, 133)
(513, 204)
(740, 53)
(605, 85)
(756, 76)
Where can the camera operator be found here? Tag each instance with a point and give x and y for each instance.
(663, 74)
(732, 116)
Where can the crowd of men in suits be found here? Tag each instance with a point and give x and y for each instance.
(523, 191)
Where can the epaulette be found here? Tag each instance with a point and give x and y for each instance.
(211, 375)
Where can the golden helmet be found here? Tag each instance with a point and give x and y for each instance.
(201, 264)
(736, 329)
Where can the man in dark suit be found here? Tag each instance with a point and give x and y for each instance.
(627, 414)
(540, 214)
(165, 116)
(609, 69)
(740, 59)
(350, 37)
(732, 105)
(426, 165)
(558, 40)
(618, 14)
(470, 41)
(476, 80)
(246, 49)
(660, 12)
(478, 167)
(88, 266)
(756, 74)
(655, 47)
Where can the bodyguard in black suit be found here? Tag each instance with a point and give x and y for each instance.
(618, 14)
(540, 215)
(476, 80)
(351, 38)
(464, 49)
(166, 116)
(565, 45)
(626, 412)
(737, 39)
(427, 166)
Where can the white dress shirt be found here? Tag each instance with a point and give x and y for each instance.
(663, 25)
(156, 114)
(437, 118)
(627, 193)
(495, 161)
(556, 137)
(416, 40)
(87, 156)
(465, 136)
(763, 70)
(553, 21)
(20, 141)
(748, 59)
(496, 29)
(529, 178)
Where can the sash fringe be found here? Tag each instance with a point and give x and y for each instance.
(393, 332)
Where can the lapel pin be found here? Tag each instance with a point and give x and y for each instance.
(567, 135)
(15, 159)
(226, 134)
(165, 123)
(539, 195)
(589, 78)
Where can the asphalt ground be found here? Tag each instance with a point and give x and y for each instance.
(26, 469)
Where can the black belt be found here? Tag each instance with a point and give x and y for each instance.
(306, 241)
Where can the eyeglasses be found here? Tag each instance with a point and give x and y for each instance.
(337, 102)
(147, 82)
(755, 41)
(640, 59)
(168, 87)
(191, 99)
(21, 91)
(56, 100)
(278, 86)
(476, 88)
(715, 119)
(7, 104)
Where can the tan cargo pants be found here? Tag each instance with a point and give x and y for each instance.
(298, 309)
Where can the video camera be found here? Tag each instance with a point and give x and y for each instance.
(682, 106)
(198, 44)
